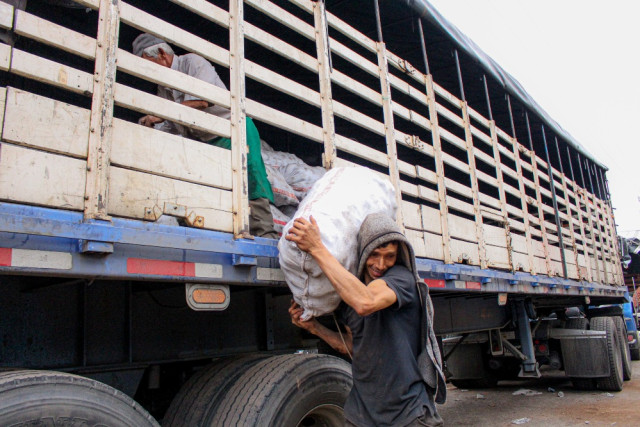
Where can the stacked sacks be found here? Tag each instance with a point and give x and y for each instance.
(339, 202)
(290, 179)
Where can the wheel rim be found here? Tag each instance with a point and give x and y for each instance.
(323, 415)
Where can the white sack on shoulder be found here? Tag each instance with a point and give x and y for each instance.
(339, 202)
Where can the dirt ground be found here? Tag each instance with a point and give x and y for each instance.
(499, 407)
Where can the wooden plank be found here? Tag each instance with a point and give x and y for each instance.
(133, 193)
(412, 215)
(465, 252)
(168, 77)
(519, 244)
(416, 238)
(474, 187)
(462, 228)
(521, 261)
(6, 16)
(498, 257)
(431, 219)
(150, 104)
(495, 236)
(284, 121)
(240, 179)
(390, 132)
(39, 178)
(3, 98)
(100, 125)
(46, 32)
(160, 153)
(206, 10)
(36, 121)
(545, 241)
(434, 246)
(172, 34)
(5, 57)
(323, 65)
(285, 18)
(46, 71)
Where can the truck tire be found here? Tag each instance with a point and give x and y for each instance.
(288, 391)
(615, 380)
(581, 323)
(41, 397)
(200, 396)
(627, 369)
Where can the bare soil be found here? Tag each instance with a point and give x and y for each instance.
(499, 407)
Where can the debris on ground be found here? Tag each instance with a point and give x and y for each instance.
(551, 390)
(560, 394)
(479, 396)
(526, 392)
(521, 421)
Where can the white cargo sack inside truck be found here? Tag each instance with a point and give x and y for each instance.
(339, 202)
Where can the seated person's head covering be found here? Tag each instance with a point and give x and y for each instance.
(144, 41)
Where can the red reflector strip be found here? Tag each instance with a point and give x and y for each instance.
(434, 283)
(160, 268)
(473, 285)
(5, 257)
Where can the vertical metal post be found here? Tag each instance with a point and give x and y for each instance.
(536, 181)
(567, 204)
(513, 125)
(554, 199)
(460, 83)
(600, 192)
(437, 154)
(486, 94)
(590, 220)
(240, 183)
(423, 47)
(378, 21)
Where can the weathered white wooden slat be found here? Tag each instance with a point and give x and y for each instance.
(173, 34)
(39, 178)
(3, 97)
(150, 104)
(206, 10)
(6, 16)
(46, 71)
(47, 32)
(133, 193)
(50, 125)
(5, 57)
(160, 153)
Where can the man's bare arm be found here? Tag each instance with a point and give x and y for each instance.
(342, 344)
(364, 299)
(150, 120)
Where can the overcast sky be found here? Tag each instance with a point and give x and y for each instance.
(580, 60)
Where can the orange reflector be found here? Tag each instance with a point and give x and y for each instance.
(209, 296)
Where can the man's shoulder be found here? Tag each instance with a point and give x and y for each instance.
(398, 270)
(193, 59)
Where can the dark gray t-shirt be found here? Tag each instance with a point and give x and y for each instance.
(387, 385)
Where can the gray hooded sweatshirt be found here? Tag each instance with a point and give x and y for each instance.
(397, 367)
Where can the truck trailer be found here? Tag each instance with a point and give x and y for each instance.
(112, 315)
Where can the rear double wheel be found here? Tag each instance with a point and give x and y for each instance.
(616, 370)
(54, 398)
(287, 390)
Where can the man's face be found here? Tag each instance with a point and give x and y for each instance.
(380, 260)
(163, 58)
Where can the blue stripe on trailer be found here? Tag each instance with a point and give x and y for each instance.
(33, 220)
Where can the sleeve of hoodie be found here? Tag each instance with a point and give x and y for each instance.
(403, 283)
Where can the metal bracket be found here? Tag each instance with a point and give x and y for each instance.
(406, 66)
(243, 260)
(178, 211)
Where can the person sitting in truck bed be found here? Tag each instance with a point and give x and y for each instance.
(397, 369)
(156, 50)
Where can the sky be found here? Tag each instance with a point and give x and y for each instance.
(580, 61)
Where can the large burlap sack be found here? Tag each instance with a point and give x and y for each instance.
(339, 202)
(301, 177)
(283, 194)
(279, 219)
